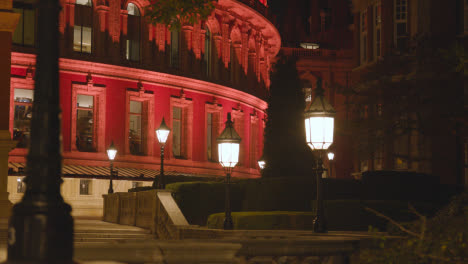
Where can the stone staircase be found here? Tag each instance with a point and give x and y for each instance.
(96, 231)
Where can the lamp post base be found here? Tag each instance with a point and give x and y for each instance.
(319, 225)
(228, 224)
(40, 233)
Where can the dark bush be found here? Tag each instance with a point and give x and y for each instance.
(278, 220)
(399, 185)
(197, 200)
(351, 214)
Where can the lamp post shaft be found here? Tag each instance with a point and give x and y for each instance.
(111, 189)
(41, 227)
(320, 225)
(228, 224)
(162, 181)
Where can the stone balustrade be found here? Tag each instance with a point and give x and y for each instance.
(154, 210)
(157, 211)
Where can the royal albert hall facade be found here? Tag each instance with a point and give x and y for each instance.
(120, 76)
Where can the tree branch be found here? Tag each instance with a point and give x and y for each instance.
(393, 222)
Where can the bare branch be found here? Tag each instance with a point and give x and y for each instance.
(393, 222)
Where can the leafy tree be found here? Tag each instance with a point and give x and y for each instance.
(175, 13)
(285, 151)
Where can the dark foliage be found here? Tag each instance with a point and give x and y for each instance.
(180, 12)
(285, 151)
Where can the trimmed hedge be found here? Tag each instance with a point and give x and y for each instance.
(351, 214)
(278, 220)
(197, 200)
(294, 194)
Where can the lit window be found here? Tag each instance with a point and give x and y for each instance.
(207, 55)
(176, 131)
(175, 49)
(400, 26)
(25, 32)
(82, 30)
(363, 41)
(85, 134)
(136, 185)
(135, 134)
(22, 118)
(310, 46)
(377, 31)
(85, 187)
(133, 33)
(20, 186)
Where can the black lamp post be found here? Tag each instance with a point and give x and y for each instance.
(331, 156)
(319, 122)
(111, 153)
(41, 227)
(162, 133)
(228, 154)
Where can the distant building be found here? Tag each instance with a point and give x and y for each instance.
(383, 27)
(120, 76)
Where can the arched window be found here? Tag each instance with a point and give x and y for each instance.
(133, 33)
(83, 28)
(175, 49)
(207, 55)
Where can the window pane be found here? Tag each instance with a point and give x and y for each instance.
(82, 39)
(177, 113)
(133, 10)
(22, 116)
(18, 35)
(84, 2)
(20, 186)
(77, 38)
(29, 27)
(175, 49)
(84, 187)
(86, 101)
(24, 95)
(135, 107)
(135, 137)
(177, 129)
(85, 123)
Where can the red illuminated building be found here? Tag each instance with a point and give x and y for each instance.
(120, 76)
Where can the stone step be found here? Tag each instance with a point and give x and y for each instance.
(109, 240)
(113, 235)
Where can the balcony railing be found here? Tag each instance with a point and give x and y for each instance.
(313, 53)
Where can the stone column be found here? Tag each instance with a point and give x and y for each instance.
(8, 22)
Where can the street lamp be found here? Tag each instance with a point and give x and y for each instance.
(111, 153)
(228, 154)
(331, 156)
(162, 133)
(261, 163)
(319, 121)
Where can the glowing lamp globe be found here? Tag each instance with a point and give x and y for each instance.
(319, 121)
(163, 132)
(331, 155)
(261, 163)
(111, 151)
(228, 146)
